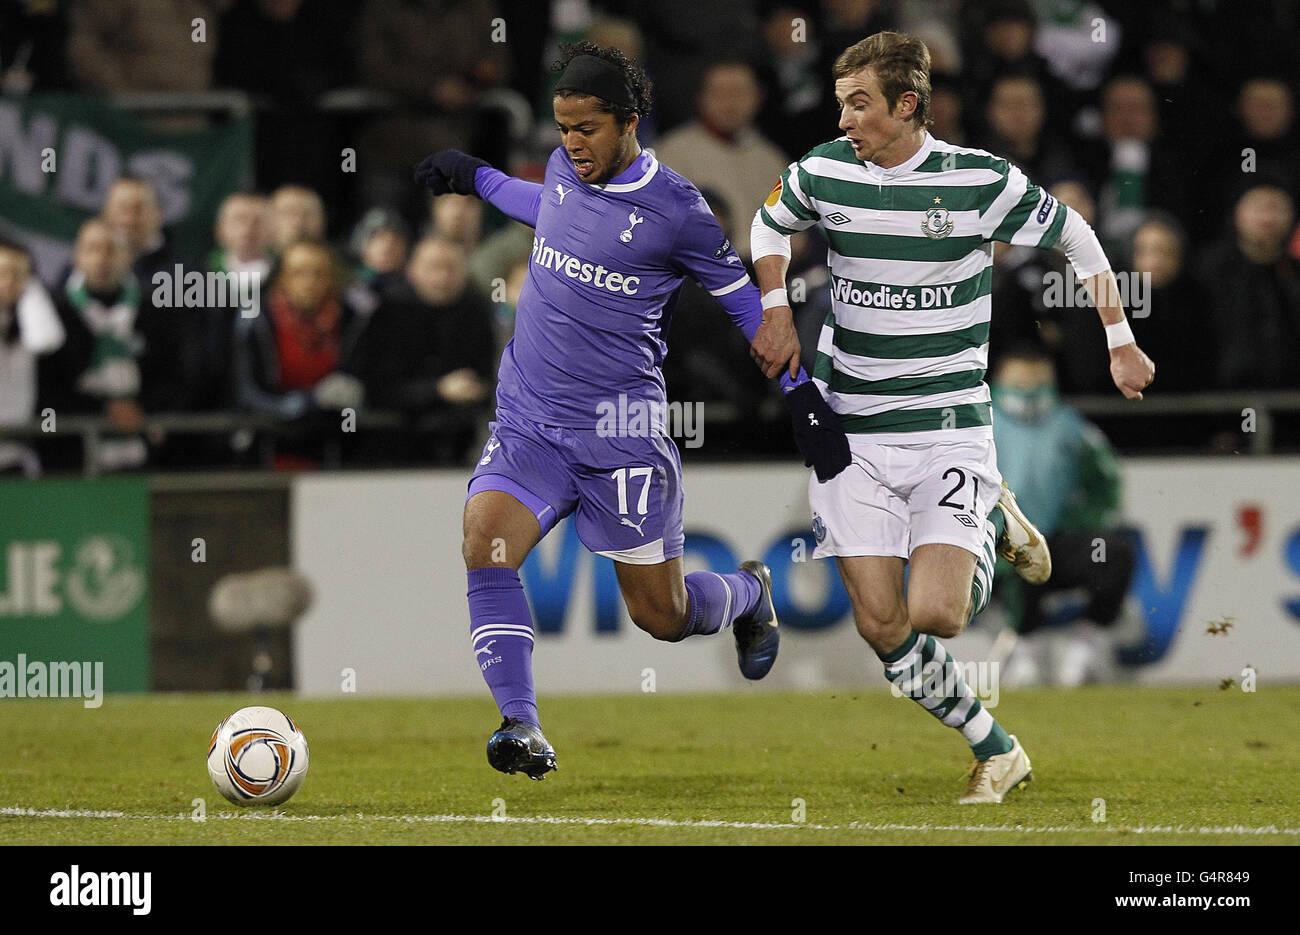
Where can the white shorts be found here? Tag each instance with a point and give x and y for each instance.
(893, 498)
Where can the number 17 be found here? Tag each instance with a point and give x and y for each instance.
(621, 476)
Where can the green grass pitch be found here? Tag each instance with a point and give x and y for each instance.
(1173, 766)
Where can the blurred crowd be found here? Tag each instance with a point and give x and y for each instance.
(1169, 125)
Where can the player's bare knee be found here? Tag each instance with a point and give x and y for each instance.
(939, 619)
(480, 549)
(881, 633)
(472, 552)
(663, 622)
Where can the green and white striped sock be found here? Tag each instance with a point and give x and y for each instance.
(981, 587)
(922, 670)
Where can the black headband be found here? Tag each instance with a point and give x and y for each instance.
(598, 78)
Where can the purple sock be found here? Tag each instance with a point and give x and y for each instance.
(717, 600)
(501, 631)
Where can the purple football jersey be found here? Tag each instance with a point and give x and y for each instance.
(606, 264)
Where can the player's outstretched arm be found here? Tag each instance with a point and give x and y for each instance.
(817, 429)
(451, 172)
(1031, 217)
(1130, 368)
(776, 344)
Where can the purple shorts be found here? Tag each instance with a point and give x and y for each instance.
(626, 491)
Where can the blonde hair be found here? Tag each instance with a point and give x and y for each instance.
(900, 62)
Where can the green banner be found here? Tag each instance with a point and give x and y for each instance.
(74, 584)
(59, 153)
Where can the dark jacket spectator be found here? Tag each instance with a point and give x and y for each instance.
(1254, 290)
(1000, 35)
(431, 353)
(430, 343)
(170, 355)
(1261, 142)
(1174, 327)
(1016, 115)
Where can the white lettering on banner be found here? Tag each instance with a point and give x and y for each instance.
(1189, 570)
(580, 271)
(89, 162)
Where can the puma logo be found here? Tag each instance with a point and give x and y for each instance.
(485, 648)
(637, 526)
(812, 419)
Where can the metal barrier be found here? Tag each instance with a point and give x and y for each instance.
(1261, 405)
(94, 429)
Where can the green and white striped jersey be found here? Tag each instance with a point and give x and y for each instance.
(903, 352)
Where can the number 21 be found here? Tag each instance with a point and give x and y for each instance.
(961, 482)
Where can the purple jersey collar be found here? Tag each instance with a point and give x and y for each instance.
(638, 174)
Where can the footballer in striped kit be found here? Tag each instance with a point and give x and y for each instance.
(911, 222)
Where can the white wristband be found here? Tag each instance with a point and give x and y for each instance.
(775, 299)
(1119, 334)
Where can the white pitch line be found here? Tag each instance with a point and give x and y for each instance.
(19, 812)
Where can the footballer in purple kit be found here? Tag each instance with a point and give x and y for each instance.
(616, 232)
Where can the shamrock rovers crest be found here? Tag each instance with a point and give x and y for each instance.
(937, 223)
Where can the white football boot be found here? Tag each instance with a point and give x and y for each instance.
(993, 778)
(1021, 543)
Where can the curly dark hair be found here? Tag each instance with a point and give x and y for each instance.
(636, 79)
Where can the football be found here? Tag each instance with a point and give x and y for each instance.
(257, 756)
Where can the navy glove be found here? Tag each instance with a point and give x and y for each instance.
(817, 432)
(449, 171)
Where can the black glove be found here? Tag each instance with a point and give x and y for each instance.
(817, 432)
(449, 171)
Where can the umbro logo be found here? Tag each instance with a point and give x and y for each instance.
(836, 217)
(966, 520)
(562, 191)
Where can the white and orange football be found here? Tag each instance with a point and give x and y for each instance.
(257, 756)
